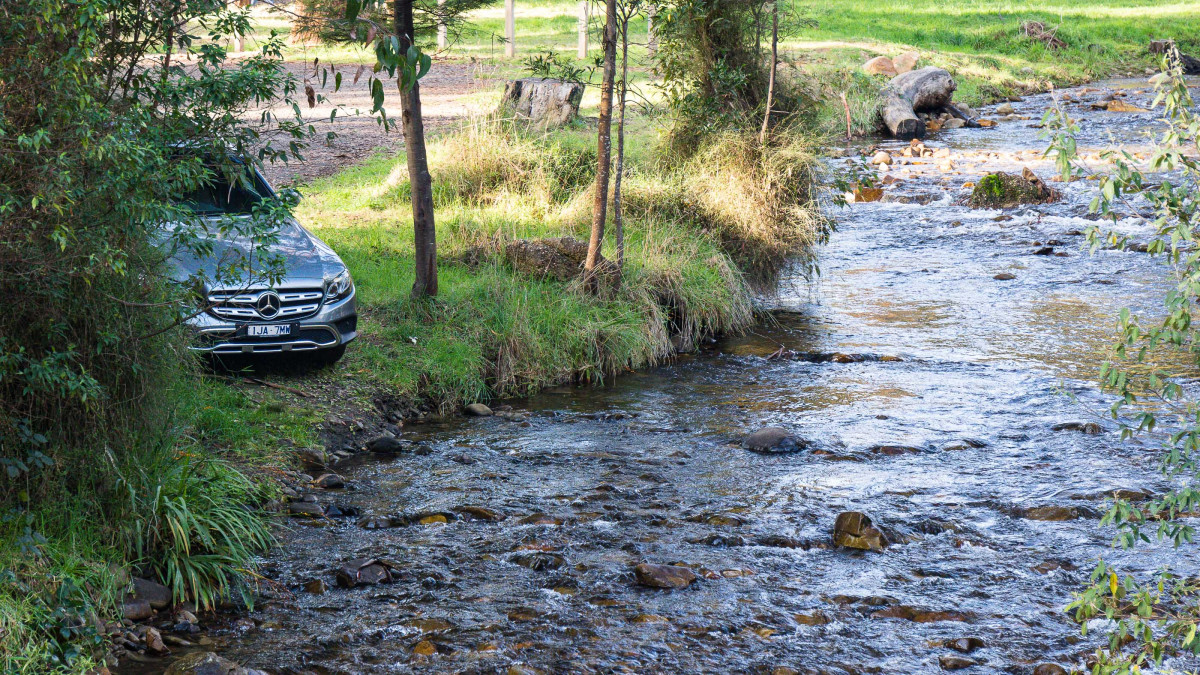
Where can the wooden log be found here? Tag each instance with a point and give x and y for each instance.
(927, 89)
(900, 119)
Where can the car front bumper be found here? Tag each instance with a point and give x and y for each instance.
(331, 326)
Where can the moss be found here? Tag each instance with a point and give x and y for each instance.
(1004, 190)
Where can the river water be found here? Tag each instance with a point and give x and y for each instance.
(967, 374)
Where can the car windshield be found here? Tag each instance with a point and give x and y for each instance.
(219, 196)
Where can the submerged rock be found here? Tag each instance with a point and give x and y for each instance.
(363, 572)
(774, 440)
(664, 576)
(204, 663)
(477, 410)
(853, 529)
(956, 662)
(385, 444)
(1051, 513)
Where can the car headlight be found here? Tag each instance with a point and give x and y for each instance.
(339, 287)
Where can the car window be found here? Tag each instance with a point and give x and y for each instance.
(220, 196)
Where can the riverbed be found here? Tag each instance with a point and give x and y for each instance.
(944, 402)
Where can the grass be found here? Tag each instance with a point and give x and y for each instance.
(493, 330)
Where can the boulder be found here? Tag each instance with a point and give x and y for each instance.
(385, 445)
(1004, 190)
(950, 662)
(156, 594)
(928, 89)
(664, 576)
(136, 609)
(906, 62)
(154, 641)
(204, 663)
(477, 410)
(772, 440)
(880, 65)
(853, 529)
(553, 102)
(363, 572)
(1051, 513)
(1049, 669)
(330, 481)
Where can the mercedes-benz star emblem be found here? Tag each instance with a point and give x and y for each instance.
(268, 305)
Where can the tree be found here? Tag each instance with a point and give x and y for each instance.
(628, 11)
(604, 149)
(762, 136)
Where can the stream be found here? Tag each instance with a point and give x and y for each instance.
(948, 405)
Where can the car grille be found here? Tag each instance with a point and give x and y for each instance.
(258, 306)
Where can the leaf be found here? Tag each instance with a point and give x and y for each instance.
(337, 81)
(352, 9)
(358, 73)
(1112, 583)
(371, 31)
(312, 95)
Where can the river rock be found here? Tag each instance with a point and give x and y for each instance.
(906, 62)
(664, 576)
(154, 641)
(306, 509)
(1084, 427)
(853, 529)
(538, 561)
(385, 445)
(204, 663)
(1005, 190)
(1049, 669)
(330, 481)
(773, 440)
(954, 123)
(881, 158)
(966, 645)
(950, 662)
(1005, 109)
(880, 65)
(156, 594)
(315, 586)
(312, 457)
(477, 410)
(136, 609)
(553, 102)
(362, 572)
(480, 513)
(1051, 513)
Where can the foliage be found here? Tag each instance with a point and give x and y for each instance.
(712, 63)
(103, 131)
(55, 619)
(548, 64)
(328, 21)
(1156, 615)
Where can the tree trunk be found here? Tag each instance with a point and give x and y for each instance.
(618, 212)
(424, 232)
(762, 135)
(604, 149)
(900, 119)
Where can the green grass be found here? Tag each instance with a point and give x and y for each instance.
(493, 331)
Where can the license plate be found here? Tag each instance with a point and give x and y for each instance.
(274, 330)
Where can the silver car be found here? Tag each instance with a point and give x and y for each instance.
(310, 310)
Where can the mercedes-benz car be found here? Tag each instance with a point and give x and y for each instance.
(310, 310)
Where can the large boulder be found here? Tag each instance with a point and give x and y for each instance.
(553, 102)
(880, 65)
(1005, 190)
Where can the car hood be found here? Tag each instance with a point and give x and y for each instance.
(305, 257)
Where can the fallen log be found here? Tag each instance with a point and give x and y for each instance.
(923, 90)
(900, 119)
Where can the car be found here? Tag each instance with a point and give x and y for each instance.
(311, 310)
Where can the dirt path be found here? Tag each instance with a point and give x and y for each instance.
(449, 92)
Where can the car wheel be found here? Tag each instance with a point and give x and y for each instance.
(328, 357)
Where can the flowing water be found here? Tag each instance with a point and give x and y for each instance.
(966, 375)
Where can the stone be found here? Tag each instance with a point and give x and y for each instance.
(906, 62)
(1005, 276)
(154, 641)
(551, 102)
(477, 410)
(1091, 428)
(306, 509)
(1121, 106)
(425, 648)
(1049, 669)
(1005, 109)
(204, 663)
(953, 123)
(538, 561)
(362, 572)
(817, 618)
(1004, 190)
(853, 529)
(136, 609)
(966, 645)
(312, 457)
(385, 445)
(664, 576)
(880, 65)
(315, 586)
(773, 440)
(330, 481)
(881, 158)
(1051, 513)
(156, 594)
(956, 662)
(480, 513)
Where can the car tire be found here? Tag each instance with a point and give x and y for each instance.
(328, 357)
